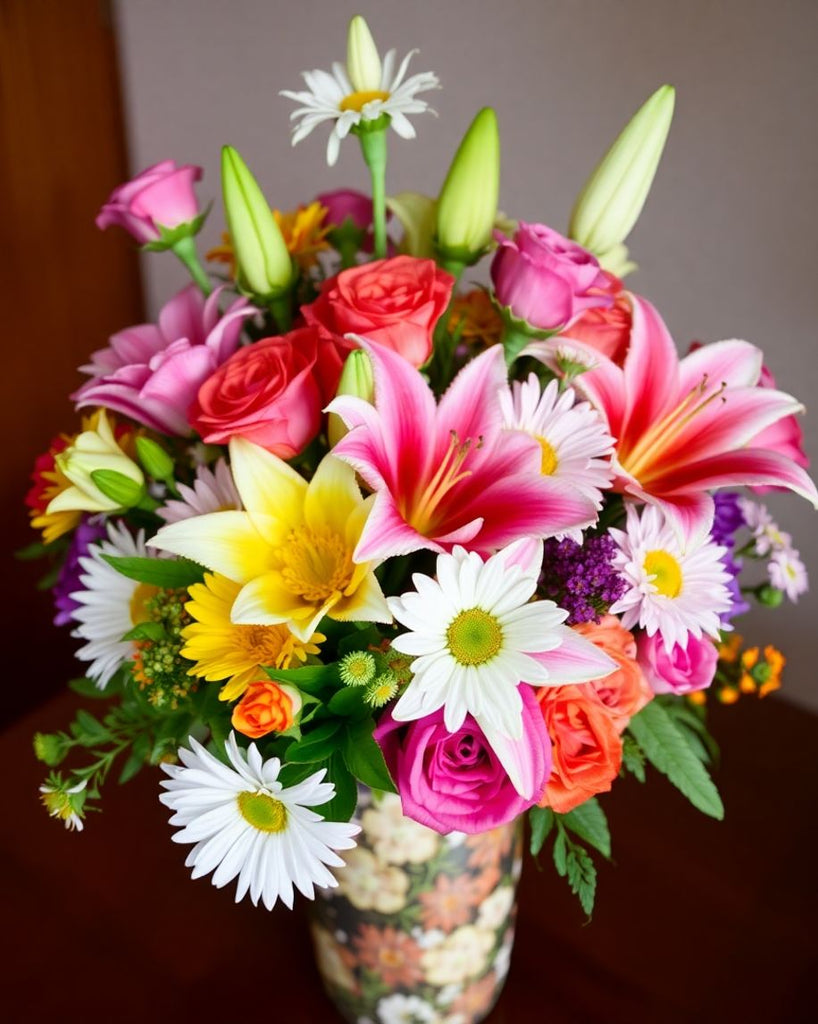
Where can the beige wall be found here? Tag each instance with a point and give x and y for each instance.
(728, 240)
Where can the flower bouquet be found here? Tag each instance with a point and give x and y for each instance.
(373, 564)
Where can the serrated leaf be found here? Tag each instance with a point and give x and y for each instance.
(89, 729)
(172, 574)
(342, 806)
(560, 851)
(364, 758)
(588, 821)
(542, 821)
(582, 876)
(633, 760)
(318, 745)
(668, 751)
(146, 631)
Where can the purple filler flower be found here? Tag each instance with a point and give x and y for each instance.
(581, 578)
(89, 531)
(728, 517)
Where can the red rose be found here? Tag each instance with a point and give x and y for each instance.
(266, 393)
(395, 303)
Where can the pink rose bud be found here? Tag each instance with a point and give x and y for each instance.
(545, 279)
(346, 203)
(681, 669)
(162, 196)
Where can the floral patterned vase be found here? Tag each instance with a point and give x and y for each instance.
(421, 925)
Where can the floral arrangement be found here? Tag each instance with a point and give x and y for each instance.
(337, 518)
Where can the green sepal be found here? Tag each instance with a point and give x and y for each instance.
(168, 237)
(172, 574)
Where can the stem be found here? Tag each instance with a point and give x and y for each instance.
(513, 343)
(282, 311)
(373, 147)
(185, 250)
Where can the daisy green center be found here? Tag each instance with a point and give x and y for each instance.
(666, 571)
(358, 100)
(474, 637)
(317, 564)
(550, 462)
(262, 811)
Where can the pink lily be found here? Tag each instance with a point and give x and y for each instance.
(448, 474)
(683, 427)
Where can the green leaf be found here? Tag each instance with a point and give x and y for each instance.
(146, 631)
(668, 751)
(319, 744)
(291, 774)
(560, 850)
(173, 574)
(633, 760)
(136, 759)
(359, 640)
(588, 821)
(89, 730)
(310, 678)
(342, 806)
(582, 876)
(349, 702)
(88, 688)
(364, 758)
(542, 821)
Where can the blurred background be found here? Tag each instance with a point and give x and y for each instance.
(91, 92)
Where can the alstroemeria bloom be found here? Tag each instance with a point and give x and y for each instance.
(152, 372)
(291, 549)
(449, 474)
(683, 427)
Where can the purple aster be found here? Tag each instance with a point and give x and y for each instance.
(728, 517)
(90, 530)
(581, 578)
(739, 605)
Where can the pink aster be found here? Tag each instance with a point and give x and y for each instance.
(448, 473)
(152, 372)
(683, 427)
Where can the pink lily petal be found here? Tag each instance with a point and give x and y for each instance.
(748, 466)
(576, 660)
(651, 369)
(734, 363)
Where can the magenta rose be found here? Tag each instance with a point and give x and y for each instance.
(162, 194)
(546, 279)
(152, 372)
(680, 670)
(266, 393)
(346, 203)
(454, 781)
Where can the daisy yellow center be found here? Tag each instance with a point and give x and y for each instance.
(317, 564)
(549, 463)
(474, 637)
(263, 811)
(144, 593)
(666, 571)
(358, 100)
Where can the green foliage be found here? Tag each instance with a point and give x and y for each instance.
(172, 574)
(670, 753)
(541, 820)
(363, 757)
(312, 679)
(588, 821)
(342, 806)
(319, 744)
(633, 758)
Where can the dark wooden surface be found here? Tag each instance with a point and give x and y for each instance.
(697, 920)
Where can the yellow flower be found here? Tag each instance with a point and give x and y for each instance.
(291, 549)
(729, 649)
(223, 649)
(749, 658)
(481, 321)
(304, 230)
(746, 683)
(728, 695)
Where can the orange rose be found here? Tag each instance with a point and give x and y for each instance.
(625, 691)
(586, 747)
(265, 707)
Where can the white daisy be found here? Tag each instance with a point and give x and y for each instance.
(788, 573)
(213, 490)
(476, 635)
(245, 822)
(109, 605)
(676, 585)
(360, 91)
(572, 435)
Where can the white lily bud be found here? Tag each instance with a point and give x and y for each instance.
(363, 60)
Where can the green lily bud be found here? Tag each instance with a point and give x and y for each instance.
(356, 379)
(363, 59)
(265, 268)
(155, 460)
(118, 488)
(467, 205)
(612, 198)
(418, 217)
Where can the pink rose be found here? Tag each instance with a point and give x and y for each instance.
(546, 279)
(680, 670)
(394, 302)
(266, 392)
(152, 372)
(162, 194)
(454, 781)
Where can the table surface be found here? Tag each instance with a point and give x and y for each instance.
(696, 919)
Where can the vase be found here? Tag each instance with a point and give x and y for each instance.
(420, 927)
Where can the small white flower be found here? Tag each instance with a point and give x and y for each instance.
(348, 99)
(245, 822)
(401, 1009)
(58, 803)
(766, 533)
(213, 490)
(676, 585)
(495, 908)
(788, 573)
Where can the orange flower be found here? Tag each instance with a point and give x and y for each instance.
(730, 648)
(449, 904)
(304, 234)
(586, 747)
(625, 691)
(776, 662)
(391, 954)
(265, 707)
(479, 317)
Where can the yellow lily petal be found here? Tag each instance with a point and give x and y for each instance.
(332, 496)
(269, 601)
(270, 490)
(367, 603)
(227, 542)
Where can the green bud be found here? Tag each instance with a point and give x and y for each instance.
(363, 59)
(265, 267)
(770, 597)
(357, 668)
(357, 380)
(118, 488)
(155, 460)
(50, 748)
(612, 198)
(467, 205)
